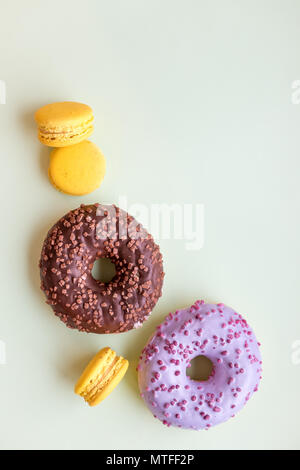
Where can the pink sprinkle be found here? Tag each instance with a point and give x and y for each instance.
(177, 372)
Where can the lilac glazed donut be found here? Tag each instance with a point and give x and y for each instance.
(214, 331)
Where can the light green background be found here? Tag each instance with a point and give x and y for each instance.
(193, 105)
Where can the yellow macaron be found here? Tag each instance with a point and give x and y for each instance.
(65, 123)
(78, 169)
(101, 376)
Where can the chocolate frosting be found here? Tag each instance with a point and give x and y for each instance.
(68, 254)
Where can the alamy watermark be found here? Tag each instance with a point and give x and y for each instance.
(2, 92)
(2, 353)
(296, 353)
(164, 221)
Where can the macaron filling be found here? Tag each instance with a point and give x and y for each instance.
(65, 135)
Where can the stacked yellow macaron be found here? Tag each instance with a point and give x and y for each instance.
(77, 166)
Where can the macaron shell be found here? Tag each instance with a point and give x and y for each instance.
(77, 170)
(64, 115)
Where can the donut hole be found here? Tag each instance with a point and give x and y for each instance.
(103, 270)
(201, 369)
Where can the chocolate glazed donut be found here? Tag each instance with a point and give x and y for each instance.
(69, 252)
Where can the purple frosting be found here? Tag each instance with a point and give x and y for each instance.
(214, 331)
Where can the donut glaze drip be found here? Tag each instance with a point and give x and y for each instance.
(69, 252)
(214, 331)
